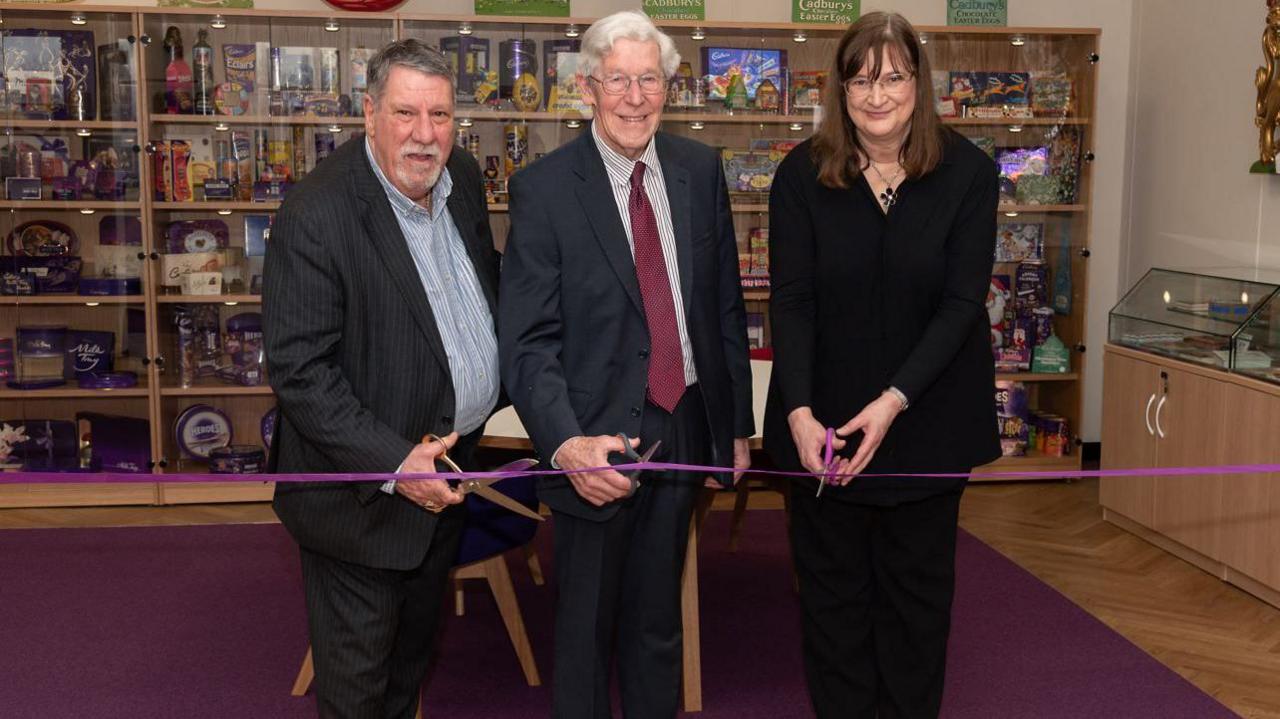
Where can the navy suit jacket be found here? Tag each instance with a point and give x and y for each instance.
(572, 336)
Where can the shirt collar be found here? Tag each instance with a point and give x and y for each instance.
(619, 166)
(400, 201)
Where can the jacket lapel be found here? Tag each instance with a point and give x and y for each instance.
(389, 242)
(596, 197)
(677, 180)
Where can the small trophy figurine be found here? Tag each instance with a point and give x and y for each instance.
(1267, 80)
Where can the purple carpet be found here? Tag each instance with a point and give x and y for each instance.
(208, 622)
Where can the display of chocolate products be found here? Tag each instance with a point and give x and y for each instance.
(1019, 241)
(1038, 190)
(516, 57)
(758, 244)
(1011, 417)
(1015, 355)
(240, 65)
(517, 142)
(51, 444)
(967, 87)
(110, 286)
(108, 380)
(526, 95)
(469, 57)
(237, 459)
(752, 65)
(1014, 162)
(196, 236)
(43, 238)
(116, 81)
(267, 427)
(6, 359)
(243, 341)
(231, 98)
(1043, 321)
(199, 343)
(749, 171)
(1031, 286)
(999, 296)
(119, 444)
(1005, 88)
(806, 88)
(257, 231)
(39, 355)
(1050, 93)
(566, 95)
(325, 143)
(1065, 149)
(200, 429)
(49, 74)
(181, 152)
(551, 51)
(297, 68)
(52, 275)
(1051, 357)
(87, 351)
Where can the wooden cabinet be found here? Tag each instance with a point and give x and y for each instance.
(1163, 413)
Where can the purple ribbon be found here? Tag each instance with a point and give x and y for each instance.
(121, 478)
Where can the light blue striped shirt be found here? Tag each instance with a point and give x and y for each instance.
(453, 290)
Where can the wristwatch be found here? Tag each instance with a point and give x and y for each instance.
(902, 398)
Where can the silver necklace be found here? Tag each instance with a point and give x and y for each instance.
(889, 196)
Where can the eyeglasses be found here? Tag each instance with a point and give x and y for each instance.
(618, 84)
(895, 83)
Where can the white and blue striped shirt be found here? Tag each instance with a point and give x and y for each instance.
(453, 290)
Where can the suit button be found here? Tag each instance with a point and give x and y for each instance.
(644, 353)
(635, 411)
(447, 419)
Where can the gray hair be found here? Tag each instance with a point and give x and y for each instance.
(597, 41)
(411, 53)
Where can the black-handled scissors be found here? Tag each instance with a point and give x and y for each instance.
(630, 453)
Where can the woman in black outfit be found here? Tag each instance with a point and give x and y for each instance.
(882, 239)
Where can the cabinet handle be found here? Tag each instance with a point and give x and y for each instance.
(1147, 416)
(1159, 409)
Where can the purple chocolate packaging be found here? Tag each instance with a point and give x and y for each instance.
(6, 359)
(237, 459)
(119, 444)
(1031, 286)
(88, 352)
(196, 236)
(1043, 317)
(119, 230)
(51, 443)
(53, 275)
(108, 380)
(42, 340)
(107, 286)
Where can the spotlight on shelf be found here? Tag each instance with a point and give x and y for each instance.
(221, 127)
(230, 304)
(335, 128)
(799, 36)
(464, 28)
(83, 132)
(331, 25)
(218, 22)
(698, 34)
(924, 38)
(572, 31)
(465, 122)
(79, 19)
(573, 124)
(224, 212)
(1018, 40)
(1244, 298)
(1167, 297)
(1015, 128)
(795, 127)
(92, 304)
(696, 125)
(1011, 213)
(86, 210)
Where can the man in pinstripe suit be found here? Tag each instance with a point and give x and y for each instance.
(378, 302)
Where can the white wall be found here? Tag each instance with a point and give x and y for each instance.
(1110, 138)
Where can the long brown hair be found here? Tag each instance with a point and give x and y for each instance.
(836, 149)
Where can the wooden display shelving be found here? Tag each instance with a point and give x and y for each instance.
(1063, 47)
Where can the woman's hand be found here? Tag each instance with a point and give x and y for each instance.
(810, 438)
(874, 421)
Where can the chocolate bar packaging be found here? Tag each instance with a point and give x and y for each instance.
(1019, 241)
(87, 352)
(1032, 289)
(118, 444)
(1011, 417)
(237, 459)
(243, 343)
(469, 57)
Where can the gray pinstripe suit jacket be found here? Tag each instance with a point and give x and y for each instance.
(354, 355)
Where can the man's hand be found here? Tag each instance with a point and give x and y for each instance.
(741, 461)
(810, 438)
(598, 488)
(432, 495)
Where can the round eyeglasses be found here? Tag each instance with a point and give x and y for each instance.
(894, 83)
(619, 84)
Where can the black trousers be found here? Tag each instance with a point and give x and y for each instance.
(876, 585)
(373, 630)
(622, 576)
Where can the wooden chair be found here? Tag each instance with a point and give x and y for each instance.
(490, 532)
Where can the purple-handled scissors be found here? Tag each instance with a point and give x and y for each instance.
(827, 456)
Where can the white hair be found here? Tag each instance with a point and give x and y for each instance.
(597, 41)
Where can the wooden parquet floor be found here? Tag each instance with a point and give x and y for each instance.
(1215, 635)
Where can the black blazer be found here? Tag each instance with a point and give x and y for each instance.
(354, 355)
(862, 301)
(571, 330)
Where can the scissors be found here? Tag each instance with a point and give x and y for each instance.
(630, 453)
(481, 487)
(828, 458)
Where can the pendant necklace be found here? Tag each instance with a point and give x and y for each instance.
(888, 197)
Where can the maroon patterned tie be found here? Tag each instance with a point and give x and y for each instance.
(666, 361)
